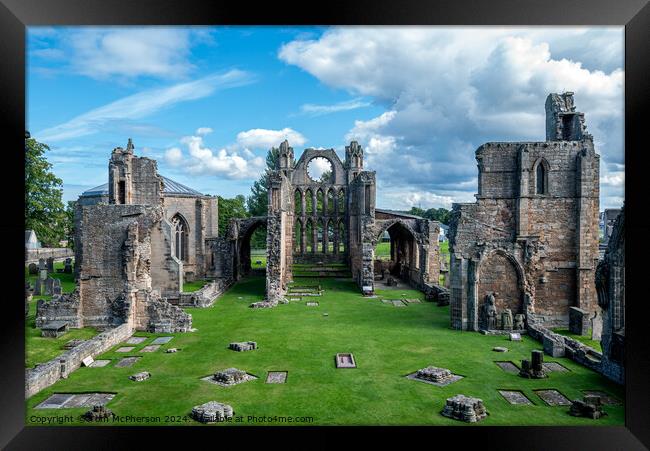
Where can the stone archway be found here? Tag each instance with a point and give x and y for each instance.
(242, 244)
(499, 273)
(404, 258)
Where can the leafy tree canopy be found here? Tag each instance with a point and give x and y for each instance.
(258, 202)
(436, 214)
(231, 208)
(44, 210)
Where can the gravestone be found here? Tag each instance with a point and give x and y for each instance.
(161, 340)
(171, 350)
(578, 321)
(596, 327)
(508, 367)
(139, 377)
(87, 361)
(553, 346)
(212, 412)
(38, 287)
(506, 320)
(312, 304)
(56, 287)
(68, 266)
(515, 397)
(398, 303)
(50, 264)
(32, 268)
(464, 408)
(554, 366)
(345, 360)
(42, 266)
(98, 413)
(150, 348)
(125, 349)
(515, 336)
(70, 400)
(553, 397)
(276, 377)
(534, 368)
(99, 363)
(135, 340)
(49, 284)
(127, 362)
(499, 349)
(243, 346)
(590, 406)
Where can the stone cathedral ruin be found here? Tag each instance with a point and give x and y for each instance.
(525, 253)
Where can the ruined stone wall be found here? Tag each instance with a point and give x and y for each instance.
(46, 374)
(57, 253)
(133, 180)
(167, 274)
(610, 282)
(537, 205)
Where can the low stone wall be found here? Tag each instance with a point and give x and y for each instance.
(57, 253)
(436, 293)
(204, 297)
(44, 375)
(558, 345)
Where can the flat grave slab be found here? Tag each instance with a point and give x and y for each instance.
(500, 349)
(135, 340)
(554, 366)
(386, 301)
(99, 363)
(87, 361)
(553, 397)
(70, 400)
(412, 301)
(515, 336)
(312, 304)
(515, 397)
(604, 397)
(161, 340)
(276, 377)
(127, 362)
(508, 367)
(150, 348)
(345, 360)
(125, 349)
(399, 303)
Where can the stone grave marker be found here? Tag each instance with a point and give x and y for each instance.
(98, 413)
(212, 412)
(590, 406)
(243, 346)
(71, 400)
(161, 340)
(49, 282)
(464, 408)
(312, 304)
(412, 301)
(139, 377)
(50, 265)
(596, 327)
(67, 268)
(32, 268)
(604, 397)
(553, 347)
(99, 363)
(87, 361)
(499, 349)
(135, 340)
(534, 368)
(578, 321)
(150, 348)
(398, 303)
(554, 366)
(345, 360)
(125, 349)
(553, 397)
(508, 367)
(56, 401)
(276, 377)
(515, 336)
(127, 362)
(56, 287)
(515, 397)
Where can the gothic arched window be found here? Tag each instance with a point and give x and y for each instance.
(179, 236)
(541, 177)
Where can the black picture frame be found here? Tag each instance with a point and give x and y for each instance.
(15, 15)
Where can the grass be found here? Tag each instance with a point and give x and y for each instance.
(196, 285)
(40, 349)
(388, 343)
(584, 339)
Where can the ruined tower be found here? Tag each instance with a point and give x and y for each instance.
(531, 237)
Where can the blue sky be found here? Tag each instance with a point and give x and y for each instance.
(208, 102)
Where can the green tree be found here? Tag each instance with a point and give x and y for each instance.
(258, 202)
(231, 208)
(44, 210)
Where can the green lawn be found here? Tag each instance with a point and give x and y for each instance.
(41, 349)
(582, 339)
(188, 287)
(388, 343)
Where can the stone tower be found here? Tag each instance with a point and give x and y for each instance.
(133, 180)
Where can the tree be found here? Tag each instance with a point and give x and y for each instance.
(436, 214)
(258, 202)
(231, 208)
(44, 211)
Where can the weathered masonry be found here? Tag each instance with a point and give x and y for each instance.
(610, 283)
(531, 238)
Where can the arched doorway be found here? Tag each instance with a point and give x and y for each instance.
(498, 274)
(251, 247)
(397, 252)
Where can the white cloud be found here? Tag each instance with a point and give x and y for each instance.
(320, 110)
(130, 52)
(202, 131)
(173, 156)
(143, 104)
(448, 90)
(259, 138)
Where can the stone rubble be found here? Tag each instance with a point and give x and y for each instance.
(212, 412)
(139, 377)
(243, 346)
(464, 408)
